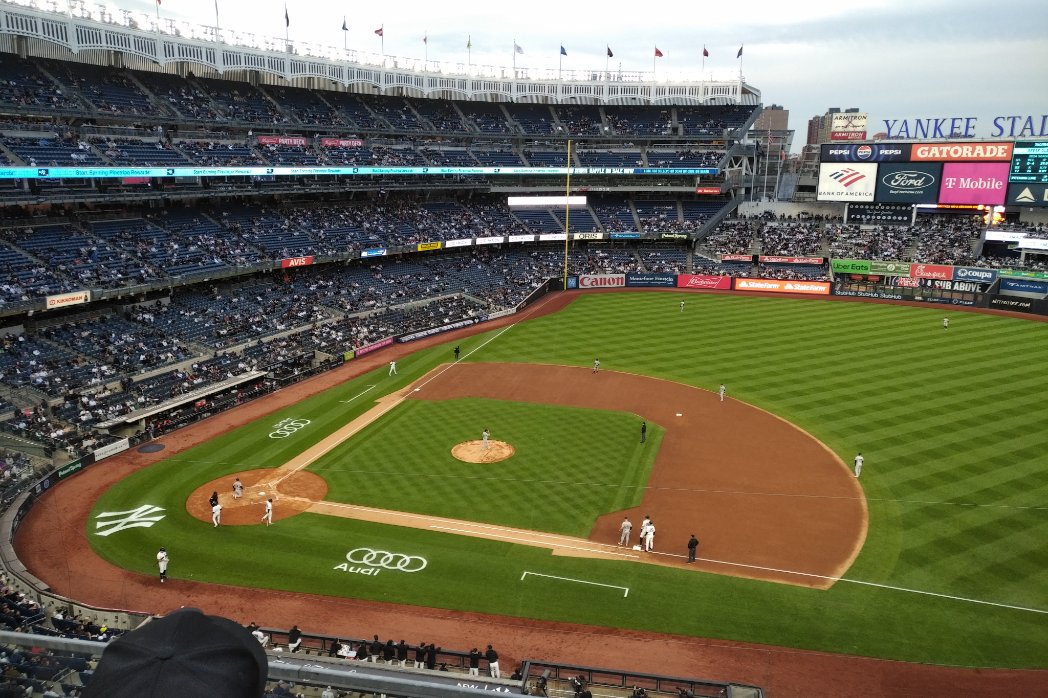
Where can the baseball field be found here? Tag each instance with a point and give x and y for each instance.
(936, 554)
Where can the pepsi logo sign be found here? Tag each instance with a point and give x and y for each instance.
(864, 152)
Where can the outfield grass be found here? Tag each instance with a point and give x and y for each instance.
(952, 424)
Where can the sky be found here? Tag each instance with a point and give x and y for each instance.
(896, 59)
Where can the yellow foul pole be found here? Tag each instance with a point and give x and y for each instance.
(567, 217)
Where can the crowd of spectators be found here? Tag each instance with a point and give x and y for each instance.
(868, 242)
(946, 239)
(733, 237)
(794, 239)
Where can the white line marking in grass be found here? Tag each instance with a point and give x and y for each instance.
(357, 395)
(626, 590)
(868, 584)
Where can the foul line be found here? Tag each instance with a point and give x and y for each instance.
(626, 590)
(357, 395)
(532, 541)
(868, 584)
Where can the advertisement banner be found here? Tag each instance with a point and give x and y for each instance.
(931, 271)
(910, 183)
(111, 449)
(651, 280)
(865, 152)
(820, 288)
(464, 242)
(974, 183)
(1019, 274)
(850, 182)
(427, 246)
(889, 268)
(1022, 305)
(673, 236)
(490, 240)
(501, 313)
(716, 283)
(553, 237)
(624, 236)
(69, 468)
(1032, 244)
(521, 238)
(1027, 194)
(61, 300)
(883, 294)
(790, 260)
(573, 282)
(850, 266)
(1024, 286)
(848, 126)
(341, 142)
(708, 190)
(587, 236)
(736, 258)
(361, 351)
(602, 280)
(948, 285)
(348, 355)
(847, 135)
(282, 140)
(962, 152)
(377, 252)
(976, 274)
(296, 262)
(436, 330)
(879, 214)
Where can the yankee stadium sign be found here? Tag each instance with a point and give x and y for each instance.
(1020, 126)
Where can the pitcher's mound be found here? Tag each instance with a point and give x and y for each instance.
(474, 451)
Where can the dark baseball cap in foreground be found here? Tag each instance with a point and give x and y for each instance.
(185, 654)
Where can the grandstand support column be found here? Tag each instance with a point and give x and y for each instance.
(567, 216)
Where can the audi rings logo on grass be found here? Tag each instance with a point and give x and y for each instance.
(286, 427)
(371, 562)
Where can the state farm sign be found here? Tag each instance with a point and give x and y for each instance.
(821, 288)
(602, 281)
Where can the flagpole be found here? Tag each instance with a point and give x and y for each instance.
(514, 58)
(607, 60)
(287, 29)
(560, 64)
(425, 41)
(158, 14)
(567, 213)
(469, 53)
(382, 39)
(345, 34)
(217, 25)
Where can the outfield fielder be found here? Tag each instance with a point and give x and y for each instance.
(682, 306)
(161, 562)
(392, 368)
(946, 323)
(268, 516)
(858, 464)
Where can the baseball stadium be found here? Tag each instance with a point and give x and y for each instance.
(535, 385)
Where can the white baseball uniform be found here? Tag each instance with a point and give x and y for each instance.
(858, 464)
(268, 516)
(161, 562)
(216, 514)
(721, 392)
(624, 536)
(392, 368)
(238, 489)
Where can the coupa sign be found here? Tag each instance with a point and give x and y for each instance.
(602, 281)
(370, 562)
(982, 276)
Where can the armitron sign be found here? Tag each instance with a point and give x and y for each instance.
(602, 281)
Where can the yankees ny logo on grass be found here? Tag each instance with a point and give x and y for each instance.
(142, 517)
(370, 562)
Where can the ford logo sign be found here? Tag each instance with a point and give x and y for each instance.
(908, 180)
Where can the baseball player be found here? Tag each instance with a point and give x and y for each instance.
(649, 537)
(682, 306)
(392, 368)
(485, 435)
(624, 531)
(216, 514)
(268, 516)
(858, 464)
(238, 489)
(946, 323)
(161, 562)
(596, 365)
(722, 391)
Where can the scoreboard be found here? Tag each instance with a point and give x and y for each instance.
(1029, 162)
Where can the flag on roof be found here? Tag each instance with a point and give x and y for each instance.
(739, 54)
(287, 19)
(658, 53)
(562, 51)
(610, 54)
(469, 41)
(517, 48)
(705, 52)
(380, 32)
(344, 27)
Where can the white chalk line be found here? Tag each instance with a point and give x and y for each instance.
(531, 541)
(864, 583)
(580, 581)
(358, 394)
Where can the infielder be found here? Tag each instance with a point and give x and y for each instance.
(484, 437)
(216, 514)
(858, 464)
(722, 391)
(392, 368)
(596, 365)
(268, 516)
(238, 489)
(625, 527)
(161, 562)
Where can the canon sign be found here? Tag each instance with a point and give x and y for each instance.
(602, 281)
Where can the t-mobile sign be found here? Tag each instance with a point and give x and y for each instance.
(974, 183)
